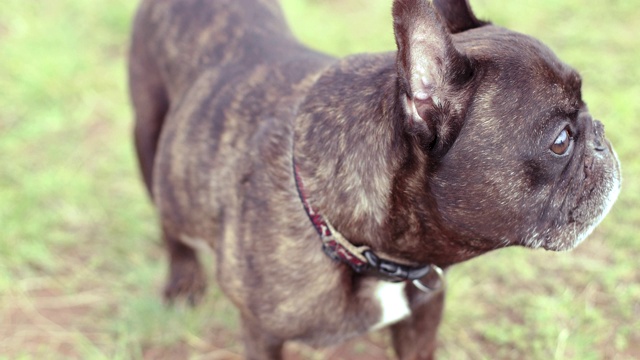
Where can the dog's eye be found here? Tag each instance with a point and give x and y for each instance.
(562, 142)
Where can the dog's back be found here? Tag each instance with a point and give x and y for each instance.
(177, 42)
(183, 36)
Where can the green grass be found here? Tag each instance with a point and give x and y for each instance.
(81, 265)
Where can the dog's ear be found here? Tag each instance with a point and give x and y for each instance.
(431, 71)
(457, 15)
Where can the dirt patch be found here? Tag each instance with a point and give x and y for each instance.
(45, 321)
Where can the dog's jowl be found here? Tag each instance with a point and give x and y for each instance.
(332, 192)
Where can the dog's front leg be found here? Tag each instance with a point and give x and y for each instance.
(415, 337)
(258, 344)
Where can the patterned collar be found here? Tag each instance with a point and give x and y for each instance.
(361, 258)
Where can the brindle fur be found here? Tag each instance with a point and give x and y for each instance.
(426, 171)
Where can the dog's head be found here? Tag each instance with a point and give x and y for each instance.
(515, 158)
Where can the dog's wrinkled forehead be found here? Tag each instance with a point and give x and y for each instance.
(523, 60)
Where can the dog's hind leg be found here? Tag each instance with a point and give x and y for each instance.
(415, 337)
(186, 277)
(150, 99)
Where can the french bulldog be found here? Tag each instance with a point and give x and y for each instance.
(332, 192)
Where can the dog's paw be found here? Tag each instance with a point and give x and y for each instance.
(186, 282)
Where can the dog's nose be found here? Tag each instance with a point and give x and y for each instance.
(598, 139)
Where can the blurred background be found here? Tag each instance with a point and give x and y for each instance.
(81, 264)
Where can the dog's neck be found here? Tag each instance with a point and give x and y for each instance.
(343, 137)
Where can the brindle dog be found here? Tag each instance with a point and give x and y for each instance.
(468, 138)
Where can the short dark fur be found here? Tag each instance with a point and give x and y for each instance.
(436, 153)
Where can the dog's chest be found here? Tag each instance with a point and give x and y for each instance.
(393, 302)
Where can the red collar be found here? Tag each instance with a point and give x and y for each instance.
(361, 258)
